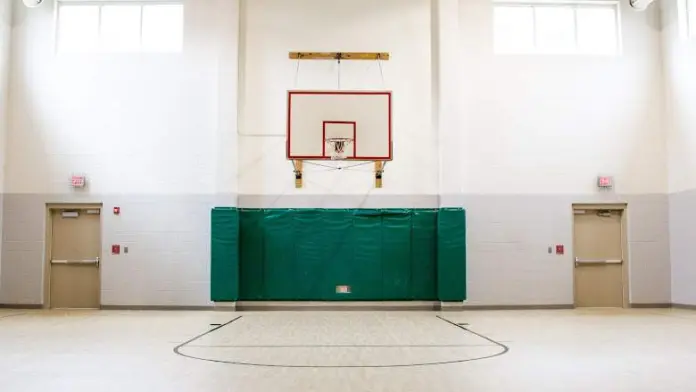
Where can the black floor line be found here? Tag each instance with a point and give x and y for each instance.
(205, 333)
(505, 348)
(178, 351)
(345, 346)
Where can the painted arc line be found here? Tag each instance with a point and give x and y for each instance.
(178, 351)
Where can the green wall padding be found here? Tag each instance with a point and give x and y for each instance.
(303, 254)
(224, 249)
(451, 254)
(396, 254)
(251, 245)
(280, 278)
(424, 255)
(311, 251)
(367, 254)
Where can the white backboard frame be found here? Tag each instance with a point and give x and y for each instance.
(319, 130)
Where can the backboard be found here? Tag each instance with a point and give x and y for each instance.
(362, 118)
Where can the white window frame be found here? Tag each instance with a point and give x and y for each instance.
(102, 3)
(575, 4)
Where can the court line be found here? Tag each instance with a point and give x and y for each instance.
(177, 348)
(178, 351)
(345, 346)
(505, 348)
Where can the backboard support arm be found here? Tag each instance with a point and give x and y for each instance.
(338, 56)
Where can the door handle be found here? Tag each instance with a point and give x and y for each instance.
(579, 261)
(77, 262)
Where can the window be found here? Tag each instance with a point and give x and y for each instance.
(563, 28)
(120, 27)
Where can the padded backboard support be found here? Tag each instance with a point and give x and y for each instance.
(364, 116)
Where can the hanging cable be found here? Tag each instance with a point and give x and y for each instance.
(381, 71)
(335, 168)
(297, 72)
(339, 71)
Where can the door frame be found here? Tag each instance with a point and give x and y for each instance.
(48, 242)
(623, 207)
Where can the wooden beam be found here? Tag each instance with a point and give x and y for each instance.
(339, 56)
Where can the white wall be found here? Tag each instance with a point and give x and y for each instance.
(514, 139)
(680, 62)
(536, 131)
(132, 123)
(272, 28)
(5, 33)
(153, 133)
(550, 124)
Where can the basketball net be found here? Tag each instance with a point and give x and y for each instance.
(338, 147)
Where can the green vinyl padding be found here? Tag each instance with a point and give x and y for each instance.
(224, 249)
(424, 255)
(451, 254)
(396, 254)
(311, 251)
(304, 254)
(367, 254)
(280, 268)
(251, 247)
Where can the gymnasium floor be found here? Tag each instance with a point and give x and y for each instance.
(578, 350)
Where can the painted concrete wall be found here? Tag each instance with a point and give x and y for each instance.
(536, 131)
(5, 34)
(514, 139)
(271, 28)
(153, 133)
(680, 62)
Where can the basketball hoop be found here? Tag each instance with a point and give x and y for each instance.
(338, 146)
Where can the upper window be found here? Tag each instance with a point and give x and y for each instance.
(563, 28)
(120, 27)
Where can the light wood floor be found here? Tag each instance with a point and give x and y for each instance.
(581, 350)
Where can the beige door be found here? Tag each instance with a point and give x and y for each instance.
(599, 277)
(74, 259)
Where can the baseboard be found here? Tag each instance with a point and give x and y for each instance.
(449, 306)
(683, 306)
(229, 306)
(346, 306)
(518, 307)
(21, 306)
(651, 306)
(156, 307)
(337, 306)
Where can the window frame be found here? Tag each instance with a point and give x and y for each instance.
(103, 3)
(575, 5)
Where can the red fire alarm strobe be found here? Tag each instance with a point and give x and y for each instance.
(604, 182)
(117, 210)
(115, 249)
(560, 249)
(77, 181)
